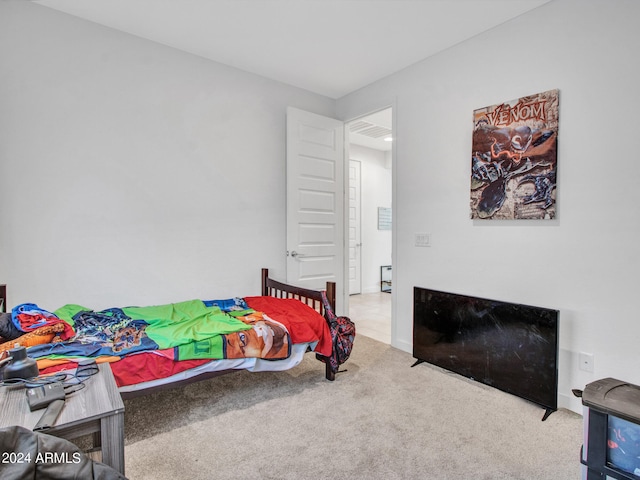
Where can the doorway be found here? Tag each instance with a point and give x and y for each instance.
(370, 150)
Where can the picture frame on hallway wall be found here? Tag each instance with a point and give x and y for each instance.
(514, 159)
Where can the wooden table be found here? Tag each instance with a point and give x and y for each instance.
(96, 409)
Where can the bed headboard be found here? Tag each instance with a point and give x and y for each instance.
(313, 298)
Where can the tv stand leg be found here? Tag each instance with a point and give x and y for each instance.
(418, 362)
(548, 412)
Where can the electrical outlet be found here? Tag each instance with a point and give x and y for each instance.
(586, 362)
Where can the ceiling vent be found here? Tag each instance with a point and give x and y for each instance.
(369, 129)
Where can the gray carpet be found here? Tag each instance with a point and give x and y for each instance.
(379, 419)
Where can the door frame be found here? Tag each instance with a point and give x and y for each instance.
(351, 117)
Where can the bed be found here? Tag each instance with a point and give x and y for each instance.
(269, 332)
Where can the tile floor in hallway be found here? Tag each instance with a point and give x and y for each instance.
(371, 312)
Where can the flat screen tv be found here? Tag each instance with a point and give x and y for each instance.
(509, 346)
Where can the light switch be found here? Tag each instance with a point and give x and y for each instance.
(423, 240)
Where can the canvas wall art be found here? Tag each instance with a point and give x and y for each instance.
(514, 159)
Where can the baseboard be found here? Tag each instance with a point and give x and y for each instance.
(403, 345)
(570, 402)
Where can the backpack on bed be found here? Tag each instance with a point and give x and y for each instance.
(343, 332)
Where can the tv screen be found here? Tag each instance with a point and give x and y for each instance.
(623, 445)
(508, 346)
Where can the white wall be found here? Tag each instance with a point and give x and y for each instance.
(375, 191)
(133, 173)
(127, 176)
(586, 262)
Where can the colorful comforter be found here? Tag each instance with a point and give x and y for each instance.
(151, 343)
(187, 330)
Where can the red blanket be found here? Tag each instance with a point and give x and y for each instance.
(302, 321)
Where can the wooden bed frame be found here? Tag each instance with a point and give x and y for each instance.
(313, 298)
(271, 288)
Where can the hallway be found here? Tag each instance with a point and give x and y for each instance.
(371, 312)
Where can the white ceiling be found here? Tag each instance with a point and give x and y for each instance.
(330, 47)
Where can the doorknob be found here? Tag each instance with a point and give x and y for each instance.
(295, 254)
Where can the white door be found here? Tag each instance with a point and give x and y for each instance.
(355, 242)
(315, 201)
